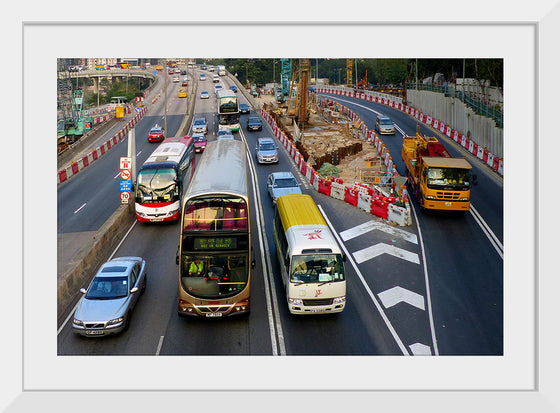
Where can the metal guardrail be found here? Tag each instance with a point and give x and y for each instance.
(476, 105)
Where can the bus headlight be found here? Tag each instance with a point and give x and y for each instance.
(339, 300)
(295, 301)
(464, 199)
(430, 197)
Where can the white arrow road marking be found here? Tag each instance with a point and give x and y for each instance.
(373, 225)
(419, 349)
(378, 249)
(396, 295)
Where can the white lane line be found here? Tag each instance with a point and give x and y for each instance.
(159, 345)
(368, 290)
(488, 232)
(381, 248)
(275, 327)
(115, 177)
(78, 210)
(374, 225)
(427, 281)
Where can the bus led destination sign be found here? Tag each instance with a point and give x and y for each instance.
(215, 243)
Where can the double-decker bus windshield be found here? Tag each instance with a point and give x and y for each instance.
(228, 104)
(449, 178)
(158, 184)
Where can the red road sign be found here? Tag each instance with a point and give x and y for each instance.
(125, 196)
(125, 174)
(126, 162)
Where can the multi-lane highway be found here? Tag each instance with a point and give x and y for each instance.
(435, 287)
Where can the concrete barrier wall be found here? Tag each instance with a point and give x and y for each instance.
(452, 111)
(80, 270)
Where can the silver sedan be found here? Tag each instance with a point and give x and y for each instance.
(107, 304)
(281, 183)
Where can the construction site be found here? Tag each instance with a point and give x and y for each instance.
(326, 137)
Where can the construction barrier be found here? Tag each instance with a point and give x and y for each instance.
(77, 166)
(379, 208)
(372, 200)
(324, 186)
(350, 196)
(337, 191)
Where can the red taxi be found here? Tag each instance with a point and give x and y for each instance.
(199, 142)
(156, 134)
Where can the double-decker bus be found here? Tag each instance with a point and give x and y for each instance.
(311, 261)
(228, 110)
(215, 257)
(161, 179)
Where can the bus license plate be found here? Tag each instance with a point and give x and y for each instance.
(448, 204)
(213, 314)
(157, 219)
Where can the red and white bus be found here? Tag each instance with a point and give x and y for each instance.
(162, 179)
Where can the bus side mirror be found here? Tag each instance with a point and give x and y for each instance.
(253, 263)
(287, 262)
(475, 180)
(177, 256)
(344, 257)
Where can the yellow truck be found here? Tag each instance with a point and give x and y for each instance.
(438, 180)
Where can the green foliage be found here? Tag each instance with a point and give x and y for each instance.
(379, 71)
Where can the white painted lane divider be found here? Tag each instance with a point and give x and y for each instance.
(78, 210)
(397, 295)
(381, 248)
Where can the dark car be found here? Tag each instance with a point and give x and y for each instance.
(234, 88)
(244, 108)
(254, 123)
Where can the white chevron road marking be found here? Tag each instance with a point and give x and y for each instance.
(381, 248)
(419, 349)
(396, 295)
(374, 225)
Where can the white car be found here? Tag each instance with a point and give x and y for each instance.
(175, 79)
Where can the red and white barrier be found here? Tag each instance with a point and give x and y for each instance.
(79, 164)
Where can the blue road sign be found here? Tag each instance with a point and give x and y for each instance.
(137, 109)
(125, 185)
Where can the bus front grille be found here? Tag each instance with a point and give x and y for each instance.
(323, 301)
